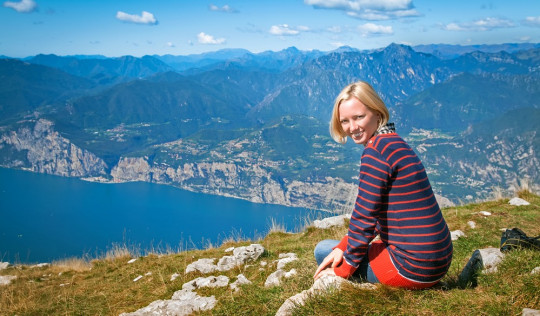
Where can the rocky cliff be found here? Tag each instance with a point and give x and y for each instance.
(255, 183)
(36, 146)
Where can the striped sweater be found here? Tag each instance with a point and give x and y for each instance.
(396, 201)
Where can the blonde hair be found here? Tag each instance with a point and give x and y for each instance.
(365, 94)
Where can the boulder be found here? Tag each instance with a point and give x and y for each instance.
(202, 265)
(456, 234)
(518, 202)
(530, 312)
(4, 265)
(331, 221)
(211, 281)
(274, 279)
(240, 279)
(286, 258)
(6, 279)
(183, 302)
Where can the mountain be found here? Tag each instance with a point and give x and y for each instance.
(25, 88)
(466, 99)
(182, 63)
(446, 51)
(104, 71)
(255, 126)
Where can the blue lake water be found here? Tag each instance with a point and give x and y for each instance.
(45, 217)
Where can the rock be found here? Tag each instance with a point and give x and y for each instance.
(456, 234)
(4, 265)
(320, 286)
(518, 202)
(241, 255)
(240, 279)
(174, 276)
(183, 302)
(137, 278)
(286, 258)
(491, 257)
(211, 281)
(229, 249)
(471, 224)
(290, 274)
(132, 260)
(274, 279)
(6, 279)
(486, 260)
(530, 312)
(331, 221)
(202, 265)
(535, 270)
(40, 265)
(263, 263)
(485, 213)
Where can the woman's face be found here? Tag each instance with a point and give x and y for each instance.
(357, 120)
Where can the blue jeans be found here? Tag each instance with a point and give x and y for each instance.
(362, 274)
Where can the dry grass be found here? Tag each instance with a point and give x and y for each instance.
(107, 287)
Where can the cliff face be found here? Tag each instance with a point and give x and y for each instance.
(40, 148)
(255, 183)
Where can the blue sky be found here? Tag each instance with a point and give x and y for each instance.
(182, 27)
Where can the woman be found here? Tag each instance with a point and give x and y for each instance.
(394, 200)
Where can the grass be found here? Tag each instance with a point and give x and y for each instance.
(105, 286)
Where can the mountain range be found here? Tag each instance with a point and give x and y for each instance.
(255, 126)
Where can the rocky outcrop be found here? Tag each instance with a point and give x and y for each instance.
(38, 147)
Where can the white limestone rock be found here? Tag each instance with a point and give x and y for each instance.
(174, 276)
(4, 265)
(456, 234)
(137, 278)
(211, 281)
(285, 258)
(202, 265)
(491, 258)
(183, 302)
(535, 270)
(518, 202)
(132, 260)
(274, 279)
(530, 312)
(331, 221)
(471, 224)
(484, 213)
(241, 255)
(240, 279)
(6, 279)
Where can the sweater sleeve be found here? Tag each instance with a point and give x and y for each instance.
(375, 174)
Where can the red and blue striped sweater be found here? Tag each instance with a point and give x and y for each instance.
(395, 200)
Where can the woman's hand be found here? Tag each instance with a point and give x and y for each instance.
(329, 263)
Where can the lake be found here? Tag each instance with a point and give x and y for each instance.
(44, 217)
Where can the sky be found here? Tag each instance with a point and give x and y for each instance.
(182, 27)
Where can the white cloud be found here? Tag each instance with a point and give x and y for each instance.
(23, 6)
(370, 29)
(486, 24)
(209, 39)
(286, 30)
(372, 10)
(532, 20)
(170, 44)
(144, 18)
(225, 8)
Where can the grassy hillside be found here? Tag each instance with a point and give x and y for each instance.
(105, 286)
